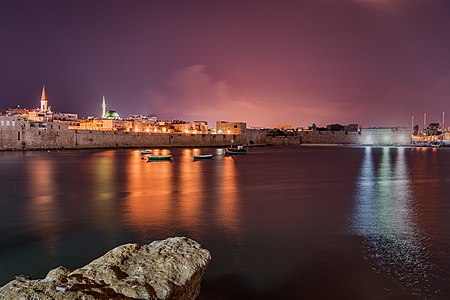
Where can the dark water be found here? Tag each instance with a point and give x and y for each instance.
(281, 223)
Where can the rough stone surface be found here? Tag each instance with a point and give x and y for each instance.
(167, 269)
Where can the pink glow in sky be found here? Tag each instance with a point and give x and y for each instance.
(373, 62)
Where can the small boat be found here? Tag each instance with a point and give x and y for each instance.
(236, 150)
(159, 157)
(146, 151)
(203, 156)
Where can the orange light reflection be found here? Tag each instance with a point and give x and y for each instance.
(150, 190)
(42, 209)
(105, 190)
(228, 205)
(191, 192)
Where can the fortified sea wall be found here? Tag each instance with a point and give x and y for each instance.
(316, 137)
(18, 133)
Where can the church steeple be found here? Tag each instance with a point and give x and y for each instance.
(103, 107)
(44, 102)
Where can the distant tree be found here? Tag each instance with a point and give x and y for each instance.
(335, 127)
(276, 132)
(416, 130)
(433, 129)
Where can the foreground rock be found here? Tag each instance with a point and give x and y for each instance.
(167, 269)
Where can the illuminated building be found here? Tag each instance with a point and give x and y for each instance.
(200, 127)
(385, 136)
(45, 114)
(104, 107)
(225, 127)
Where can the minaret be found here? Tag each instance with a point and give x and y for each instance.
(44, 102)
(103, 107)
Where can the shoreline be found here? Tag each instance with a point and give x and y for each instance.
(216, 146)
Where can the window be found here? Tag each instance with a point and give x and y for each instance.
(18, 135)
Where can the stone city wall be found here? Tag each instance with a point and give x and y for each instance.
(111, 139)
(17, 133)
(329, 137)
(315, 137)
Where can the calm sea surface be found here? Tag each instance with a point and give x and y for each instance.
(281, 223)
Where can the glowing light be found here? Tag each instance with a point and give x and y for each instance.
(384, 215)
(42, 208)
(228, 206)
(148, 206)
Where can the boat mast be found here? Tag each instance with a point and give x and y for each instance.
(424, 120)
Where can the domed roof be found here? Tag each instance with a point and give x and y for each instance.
(111, 114)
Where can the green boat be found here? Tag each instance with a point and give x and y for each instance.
(203, 156)
(159, 157)
(236, 150)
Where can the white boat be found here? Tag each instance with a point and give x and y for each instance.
(146, 151)
(203, 156)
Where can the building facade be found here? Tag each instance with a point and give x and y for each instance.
(385, 136)
(225, 127)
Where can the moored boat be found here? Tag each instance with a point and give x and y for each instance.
(146, 151)
(203, 156)
(236, 150)
(159, 157)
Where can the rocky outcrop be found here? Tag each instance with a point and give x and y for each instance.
(167, 269)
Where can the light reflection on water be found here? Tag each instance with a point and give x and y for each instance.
(384, 216)
(104, 191)
(190, 191)
(175, 194)
(228, 195)
(42, 207)
(149, 199)
(270, 218)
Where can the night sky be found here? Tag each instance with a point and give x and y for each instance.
(372, 62)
